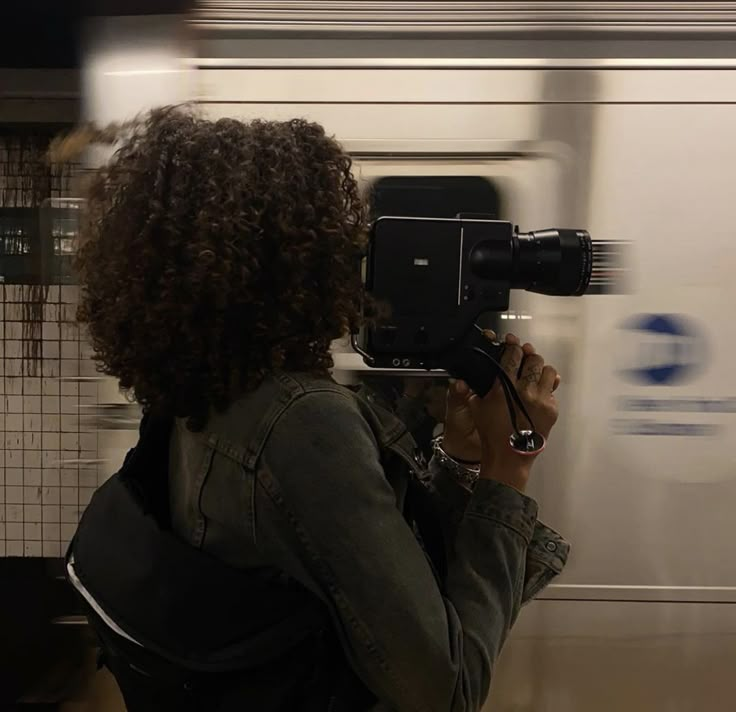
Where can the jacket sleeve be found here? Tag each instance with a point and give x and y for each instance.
(326, 514)
(547, 553)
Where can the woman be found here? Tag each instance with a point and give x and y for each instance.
(290, 551)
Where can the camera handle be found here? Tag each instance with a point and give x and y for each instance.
(470, 361)
(475, 360)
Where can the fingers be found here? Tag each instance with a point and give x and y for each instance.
(549, 380)
(512, 356)
(558, 380)
(458, 393)
(531, 371)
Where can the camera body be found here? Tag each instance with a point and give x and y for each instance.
(438, 276)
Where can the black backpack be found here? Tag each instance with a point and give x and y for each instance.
(199, 635)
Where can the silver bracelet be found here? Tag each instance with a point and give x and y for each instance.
(466, 475)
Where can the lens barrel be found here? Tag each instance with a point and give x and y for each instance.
(557, 262)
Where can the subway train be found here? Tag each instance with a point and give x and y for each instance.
(615, 117)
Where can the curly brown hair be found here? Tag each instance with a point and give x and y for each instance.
(214, 252)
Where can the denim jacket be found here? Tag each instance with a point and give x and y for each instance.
(309, 478)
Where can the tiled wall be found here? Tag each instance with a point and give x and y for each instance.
(49, 464)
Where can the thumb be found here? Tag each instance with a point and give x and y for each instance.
(458, 393)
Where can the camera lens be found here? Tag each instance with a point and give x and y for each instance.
(555, 262)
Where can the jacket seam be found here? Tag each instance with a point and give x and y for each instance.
(502, 523)
(330, 580)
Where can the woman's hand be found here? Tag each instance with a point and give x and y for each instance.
(478, 429)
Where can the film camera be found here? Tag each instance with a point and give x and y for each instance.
(439, 275)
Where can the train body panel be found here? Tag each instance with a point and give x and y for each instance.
(641, 475)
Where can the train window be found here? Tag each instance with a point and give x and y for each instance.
(423, 404)
(433, 196)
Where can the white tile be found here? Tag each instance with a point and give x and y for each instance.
(69, 477)
(69, 293)
(13, 495)
(51, 331)
(88, 389)
(13, 441)
(85, 495)
(69, 388)
(32, 495)
(31, 404)
(70, 367)
(32, 548)
(13, 293)
(32, 476)
(68, 530)
(88, 478)
(50, 495)
(69, 495)
(70, 441)
(50, 477)
(2, 531)
(13, 347)
(14, 421)
(14, 530)
(69, 514)
(3, 551)
(51, 531)
(70, 349)
(51, 423)
(51, 441)
(14, 458)
(52, 549)
(13, 386)
(50, 458)
(69, 332)
(13, 548)
(88, 368)
(31, 440)
(51, 512)
(13, 333)
(54, 293)
(70, 421)
(31, 386)
(2, 497)
(88, 441)
(32, 513)
(32, 458)
(2, 478)
(13, 312)
(14, 476)
(69, 405)
(50, 387)
(51, 312)
(50, 368)
(32, 422)
(14, 404)
(13, 368)
(50, 404)
(51, 349)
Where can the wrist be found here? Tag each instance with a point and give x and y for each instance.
(462, 452)
(514, 473)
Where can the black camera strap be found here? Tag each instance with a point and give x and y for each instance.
(526, 442)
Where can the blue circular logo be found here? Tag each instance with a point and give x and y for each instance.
(662, 349)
